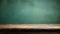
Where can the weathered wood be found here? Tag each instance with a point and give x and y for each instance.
(30, 26)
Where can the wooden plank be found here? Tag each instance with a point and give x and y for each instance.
(30, 26)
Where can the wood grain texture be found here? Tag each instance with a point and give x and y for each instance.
(30, 26)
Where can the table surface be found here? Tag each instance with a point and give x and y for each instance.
(30, 26)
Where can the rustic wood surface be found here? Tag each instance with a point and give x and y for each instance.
(30, 26)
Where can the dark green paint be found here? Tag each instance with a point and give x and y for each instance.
(29, 12)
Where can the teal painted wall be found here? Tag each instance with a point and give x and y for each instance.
(29, 12)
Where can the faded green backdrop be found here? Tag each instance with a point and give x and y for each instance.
(29, 12)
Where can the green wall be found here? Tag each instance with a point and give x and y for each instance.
(29, 12)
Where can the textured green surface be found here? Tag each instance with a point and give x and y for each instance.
(29, 12)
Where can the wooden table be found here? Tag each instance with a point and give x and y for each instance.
(30, 26)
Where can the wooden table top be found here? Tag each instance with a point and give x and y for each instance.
(30, 26)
